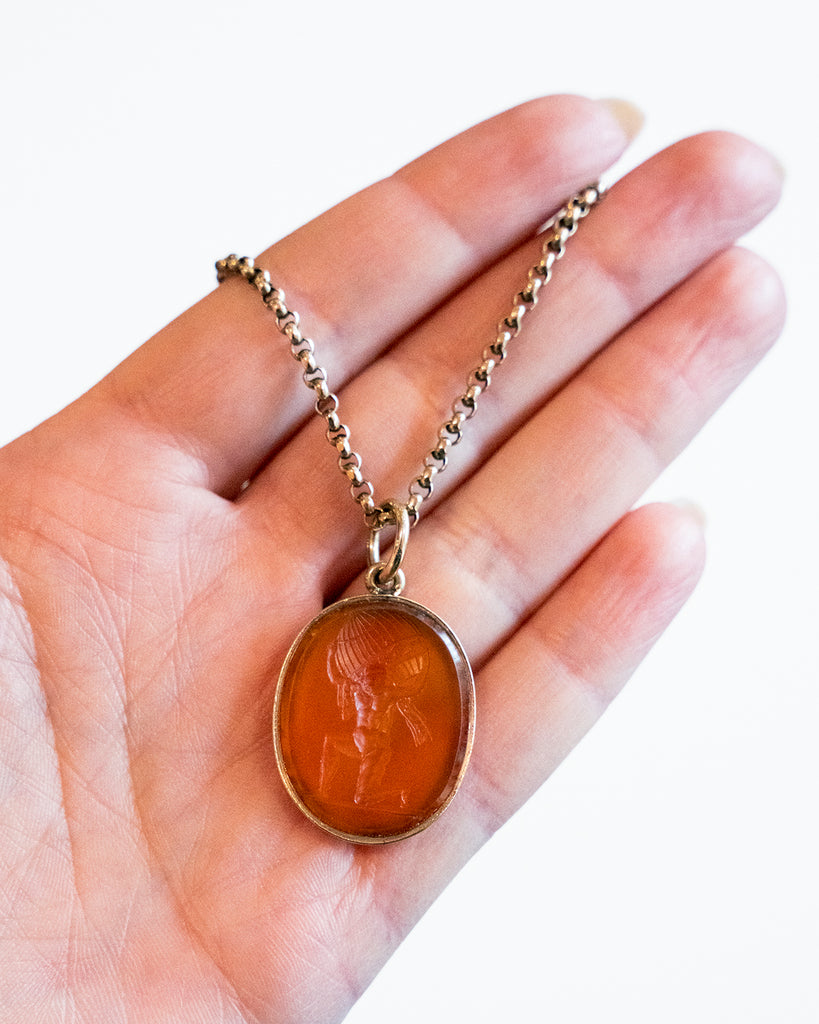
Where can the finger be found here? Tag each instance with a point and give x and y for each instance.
(645, 238)
(219, 381)
(573, 657)
(552, 681)
(516, 528)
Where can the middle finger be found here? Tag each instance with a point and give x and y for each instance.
(654, 229)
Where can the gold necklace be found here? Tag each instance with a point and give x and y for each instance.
(374, 714)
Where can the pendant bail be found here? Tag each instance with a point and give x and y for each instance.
(384, 576)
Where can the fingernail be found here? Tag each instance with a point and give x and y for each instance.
(783, 171)
(693, 509)
(629, 117)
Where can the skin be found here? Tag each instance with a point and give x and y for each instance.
(151, 864)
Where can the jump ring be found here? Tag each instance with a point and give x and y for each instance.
(384, 572)
(384, 588)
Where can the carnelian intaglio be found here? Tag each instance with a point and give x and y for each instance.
(374, 718)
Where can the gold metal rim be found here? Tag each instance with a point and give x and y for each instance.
(466, 683)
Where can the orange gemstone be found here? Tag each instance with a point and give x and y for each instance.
(374, 718)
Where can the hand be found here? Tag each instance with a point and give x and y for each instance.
(150, 859)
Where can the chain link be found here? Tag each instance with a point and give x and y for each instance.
(556, 233)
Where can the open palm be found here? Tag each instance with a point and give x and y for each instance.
(152, 867)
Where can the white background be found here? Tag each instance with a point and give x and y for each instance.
(667, 872)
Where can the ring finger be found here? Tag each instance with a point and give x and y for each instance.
(624, 258)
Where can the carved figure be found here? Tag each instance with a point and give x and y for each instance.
(378, 672)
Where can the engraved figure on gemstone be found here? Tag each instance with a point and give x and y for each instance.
(377, 680)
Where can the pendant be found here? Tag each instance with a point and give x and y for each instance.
(374, 716)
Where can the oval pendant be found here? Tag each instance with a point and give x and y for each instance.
(374, 718)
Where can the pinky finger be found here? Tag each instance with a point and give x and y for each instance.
(554, 678)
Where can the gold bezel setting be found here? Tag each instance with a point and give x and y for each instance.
(466, 689)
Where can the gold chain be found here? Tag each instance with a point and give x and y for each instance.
(562, 226)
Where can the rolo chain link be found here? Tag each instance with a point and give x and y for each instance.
(555, 235)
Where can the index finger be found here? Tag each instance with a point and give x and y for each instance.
(219, 383)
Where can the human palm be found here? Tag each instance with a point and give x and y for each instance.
(152, 868)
